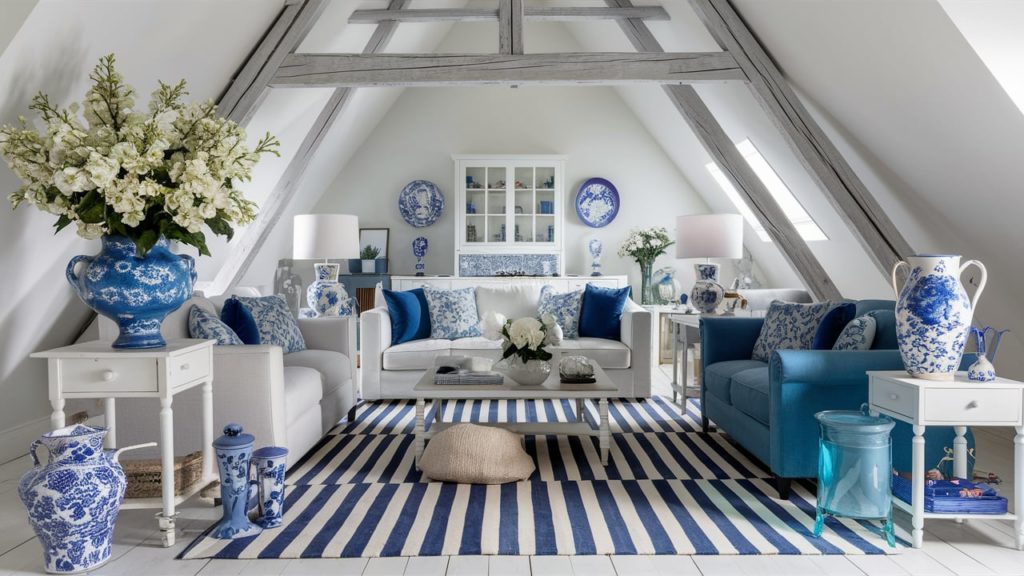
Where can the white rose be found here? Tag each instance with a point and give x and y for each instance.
(90, 231)
(554, 336)
(492, 324)
(526, 333)
(548, 319)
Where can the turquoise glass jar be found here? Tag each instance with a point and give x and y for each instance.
(855, 468)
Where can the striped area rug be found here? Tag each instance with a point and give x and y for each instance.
(668, 489)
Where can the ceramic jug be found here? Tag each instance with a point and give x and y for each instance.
(933, 314)
(234, 451)
(73, 499)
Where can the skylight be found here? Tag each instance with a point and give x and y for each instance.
(796, 214)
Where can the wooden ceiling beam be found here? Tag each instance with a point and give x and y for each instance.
(561, 14)
(309, 70)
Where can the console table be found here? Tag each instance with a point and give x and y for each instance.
(95, 370)
(959, 403)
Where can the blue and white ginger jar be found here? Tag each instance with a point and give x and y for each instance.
(933, 314)
(707, 293)
(136, 293)
(326, 296)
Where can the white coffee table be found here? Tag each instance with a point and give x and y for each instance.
(551, 389)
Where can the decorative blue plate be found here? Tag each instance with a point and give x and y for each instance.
(597, 202)
(421, 203)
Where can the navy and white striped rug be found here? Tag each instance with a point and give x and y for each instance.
(668, 489)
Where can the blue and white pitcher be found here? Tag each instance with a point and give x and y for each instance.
(933, 314)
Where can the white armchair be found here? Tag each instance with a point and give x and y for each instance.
(288, 400)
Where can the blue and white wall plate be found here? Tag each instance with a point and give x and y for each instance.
(421, 203)
(597, 202)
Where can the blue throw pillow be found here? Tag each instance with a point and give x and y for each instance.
(239, 319)
(788, 326)
(564, 307)
(601, 311)
(202, 324)
(452, 312)
(410, 315)
(857, 335)
(275, 322)
(831, 324)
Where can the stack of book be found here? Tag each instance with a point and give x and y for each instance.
(466, 370)
(955, 496)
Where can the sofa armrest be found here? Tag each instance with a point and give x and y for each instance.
(337, 334)
(635, 332)
(376, 338)
(248, 388)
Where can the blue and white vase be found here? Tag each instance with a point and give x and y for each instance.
(707, 293)
(595, 247)
(419, 250)
(136, 293)
(982, 370)
(933, 314)
(326, 296)
(73, 499)
(270, 463)
(234, 451)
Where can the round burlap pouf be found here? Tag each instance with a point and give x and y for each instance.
(472, 454)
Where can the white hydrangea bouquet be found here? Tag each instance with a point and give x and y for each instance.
(644, 246)
(166, 172)
(524, 338)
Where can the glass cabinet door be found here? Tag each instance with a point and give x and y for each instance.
(511, 205)
(535, 205)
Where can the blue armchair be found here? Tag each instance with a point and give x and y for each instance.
(769, 408)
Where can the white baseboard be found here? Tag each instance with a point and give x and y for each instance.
(14, 442)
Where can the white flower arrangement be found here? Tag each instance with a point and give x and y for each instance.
(167, 172)
(524, 338)
(646, 245)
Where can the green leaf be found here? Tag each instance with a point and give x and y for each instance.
(146, 241)
(62, 223)
(220, 226)
(91, 208)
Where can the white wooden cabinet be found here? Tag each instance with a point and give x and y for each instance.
(560, 283)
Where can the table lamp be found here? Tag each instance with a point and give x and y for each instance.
(708, 236)
(324, 236)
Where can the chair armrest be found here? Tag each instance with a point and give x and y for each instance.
(375, 326)
(727, 338)
(635, 332)
(337, 334)
(248, 387)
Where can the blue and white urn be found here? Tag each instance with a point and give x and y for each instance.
(595, 247)
(326, 296)
(270, 463)
(419, 250)
(136, 293)
(933, 314)
(234, 451)
(73, 499)
(707, 293)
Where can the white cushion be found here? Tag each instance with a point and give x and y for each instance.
(416, 355)
(609, 354)
(473, 454)
(512, 301)
(334, 366)
(302, 389)
(477, 346)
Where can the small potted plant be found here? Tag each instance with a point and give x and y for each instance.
(369, 257)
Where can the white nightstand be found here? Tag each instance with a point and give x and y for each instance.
(95, 370)
(959, 403)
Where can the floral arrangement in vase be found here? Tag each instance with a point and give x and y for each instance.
(523, 343)
(137, 179)
(645, 246)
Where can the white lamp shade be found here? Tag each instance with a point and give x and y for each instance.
(709, 236)
(324, 236)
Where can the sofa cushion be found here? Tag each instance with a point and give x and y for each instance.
(609, 354)
(302, 389)
(513, 302)
(453, 313)
(885, 330)
(718, 376)
(275, 322)
(788, 326)
(564, 307)
(240, 320)
(832, 324)
(601, 312)
(858, 334)
(749, 393)
(416, 355)
(204, 325)
(333, 366)
(410, 316)
(477, 346)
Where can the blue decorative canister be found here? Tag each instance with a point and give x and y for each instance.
(933, 314)
(234, 450)
(854, 468)
(136, 293)
(326, 296)
(707, 293)
(73, 499)
(270, 463)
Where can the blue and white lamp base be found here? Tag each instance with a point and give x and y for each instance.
(326, 296)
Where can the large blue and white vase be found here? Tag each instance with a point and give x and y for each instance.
(234, 452)
(933, 314)
(419, 250)
(73, 499)
(135, 292)
(707, 293)
(326, 296)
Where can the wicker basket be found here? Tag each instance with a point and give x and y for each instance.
(144, 475)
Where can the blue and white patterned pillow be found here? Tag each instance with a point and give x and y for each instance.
(202, 324)
(788, 326)
(564, 307)
(452, 312)
(275, 322)
(858, 334)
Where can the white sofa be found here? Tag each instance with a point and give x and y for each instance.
(390, 372)
(288, 400)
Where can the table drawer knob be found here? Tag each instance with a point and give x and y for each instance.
(972, 404)
(184, 366)
(109, 375)
(894, 396)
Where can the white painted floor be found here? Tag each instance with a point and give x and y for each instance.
(972, 548)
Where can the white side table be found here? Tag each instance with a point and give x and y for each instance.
(95, 370)
(685, 333)
(959, 403)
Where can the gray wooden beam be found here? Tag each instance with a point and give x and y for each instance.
(256, 234)
(477, 69)
(248, 87)
(562, 14)
(722, 149)
(852, 200)
(517, 26)
(504, 26)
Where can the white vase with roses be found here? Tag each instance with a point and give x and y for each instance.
(525, 358)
